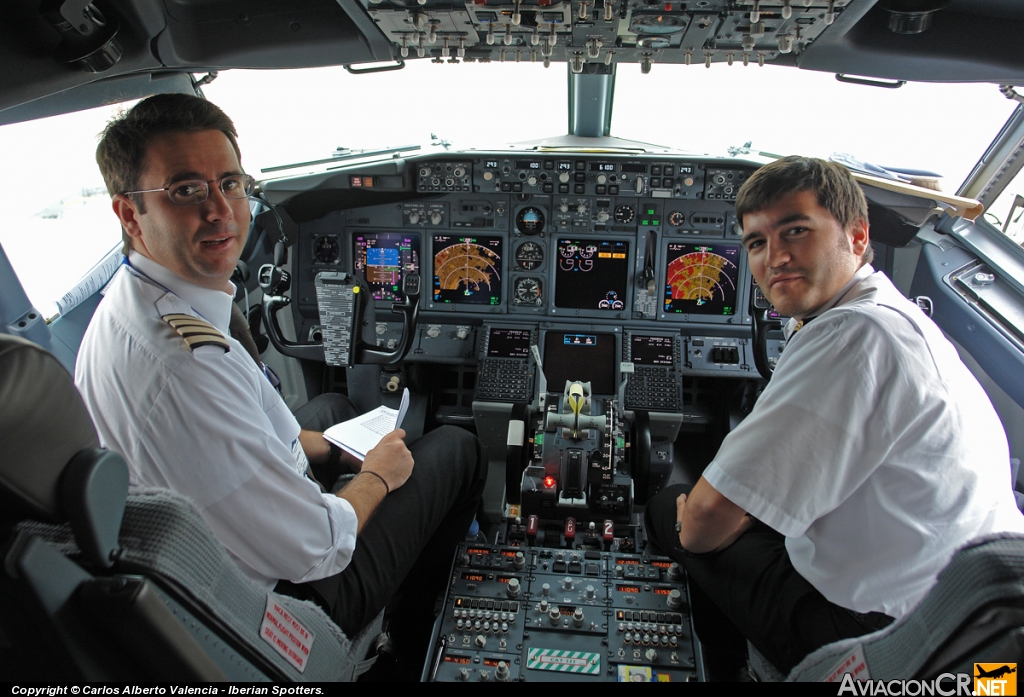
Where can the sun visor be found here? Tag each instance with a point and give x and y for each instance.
(243, 34)
(114, 90)
(915, 204)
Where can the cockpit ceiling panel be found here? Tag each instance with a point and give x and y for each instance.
(245, 34)
(890, 39)
(155, 36)
(956, 41)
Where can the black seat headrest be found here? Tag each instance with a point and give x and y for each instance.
(43, 425)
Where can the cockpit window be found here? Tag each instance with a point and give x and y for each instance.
(58, 221)
(941, 128)
(290, 116)
(1007, 212)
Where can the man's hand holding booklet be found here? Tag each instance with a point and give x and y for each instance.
(360, 435)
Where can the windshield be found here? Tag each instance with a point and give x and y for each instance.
(290, 116)
(59, 221)
(941, 128)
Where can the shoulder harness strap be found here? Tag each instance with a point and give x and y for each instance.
(196, 332)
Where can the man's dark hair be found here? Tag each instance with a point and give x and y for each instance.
(123, 145)
(832, 184)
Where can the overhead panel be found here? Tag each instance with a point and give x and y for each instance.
(605, 31)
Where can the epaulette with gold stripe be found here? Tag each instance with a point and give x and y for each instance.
(196, 332)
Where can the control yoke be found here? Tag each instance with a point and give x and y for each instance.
(346, 304)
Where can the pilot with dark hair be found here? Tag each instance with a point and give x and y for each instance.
(191, 410)
(872, 455)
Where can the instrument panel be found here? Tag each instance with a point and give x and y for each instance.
(554, 241)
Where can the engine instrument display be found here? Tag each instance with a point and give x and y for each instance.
(701, 278)
(592, 274)
(382, 258)
(467, 270)
(584, 357)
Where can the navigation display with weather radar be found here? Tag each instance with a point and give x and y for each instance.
(380, 259)
(701, 278)
(467, 270)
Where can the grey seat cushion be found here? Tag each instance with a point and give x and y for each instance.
(164, 538)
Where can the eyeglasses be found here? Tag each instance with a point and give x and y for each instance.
(192, 192)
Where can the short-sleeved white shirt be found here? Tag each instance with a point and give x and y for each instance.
(873, 449)
(207, 424)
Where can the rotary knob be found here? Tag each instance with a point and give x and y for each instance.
(675, 572)
(577, 617)
(675, 599)
(435, 218)
(564, 208)
(532, 181)
(564, 177)
(480, 641)
(512, 588)
(519, 561)
(433, 331)
(502, 674)
(602, 217)
(414, 218)
(567, 583)
(555, 616)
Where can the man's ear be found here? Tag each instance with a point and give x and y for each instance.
(128, 213)
(859, 236)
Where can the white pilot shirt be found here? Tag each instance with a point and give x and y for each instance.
(873, 450)
(208, 425)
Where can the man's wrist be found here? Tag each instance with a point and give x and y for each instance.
(387, 489)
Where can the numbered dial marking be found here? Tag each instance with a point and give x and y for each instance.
(528, 291)
(529, 256)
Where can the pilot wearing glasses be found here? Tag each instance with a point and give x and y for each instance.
(190, 410)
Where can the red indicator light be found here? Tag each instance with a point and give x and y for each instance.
(549, 482)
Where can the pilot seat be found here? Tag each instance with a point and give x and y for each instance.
(102, 584)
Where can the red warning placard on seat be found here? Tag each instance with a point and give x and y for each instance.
(287, 635)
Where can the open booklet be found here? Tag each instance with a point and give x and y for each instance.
(361, 434)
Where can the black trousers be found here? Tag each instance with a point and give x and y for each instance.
(403, 555)
(751, 590)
